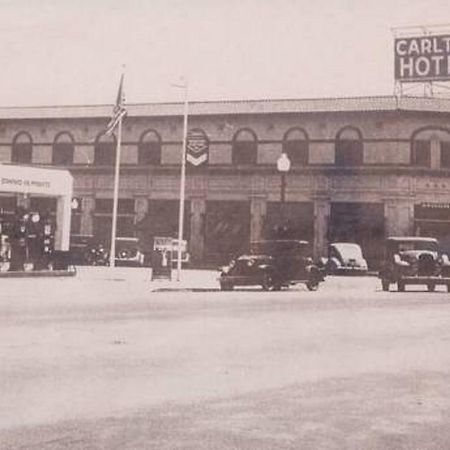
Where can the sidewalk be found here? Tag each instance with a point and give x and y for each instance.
(189, 278)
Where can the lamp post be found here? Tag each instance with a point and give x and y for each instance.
(283, 166)
(183, 86)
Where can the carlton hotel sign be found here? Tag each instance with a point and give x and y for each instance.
(424, 58)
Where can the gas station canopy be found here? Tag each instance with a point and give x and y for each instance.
(57, 183)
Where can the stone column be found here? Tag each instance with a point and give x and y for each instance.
(141, 208)
(196, 241)
(63, 214)
(321, 221)
(258, 208)
(87, 210)
(399, 217)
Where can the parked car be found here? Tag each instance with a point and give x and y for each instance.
(345, 258)
(96, 254)
(414, 260)
(272, 265)
(128, 252)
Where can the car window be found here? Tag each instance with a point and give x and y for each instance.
(417, 245)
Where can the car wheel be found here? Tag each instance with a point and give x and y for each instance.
(312, 285)
(431, 287)
(226, 286)
(401, 286)
(268, 283)
(385, 284)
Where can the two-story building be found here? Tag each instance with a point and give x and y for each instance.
(362, 168)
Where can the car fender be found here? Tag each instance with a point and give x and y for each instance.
(314, 272)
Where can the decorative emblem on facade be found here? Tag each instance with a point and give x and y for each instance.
(197, 147)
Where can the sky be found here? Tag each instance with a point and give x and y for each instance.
(71, 52)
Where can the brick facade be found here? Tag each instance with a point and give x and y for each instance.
(383, 176)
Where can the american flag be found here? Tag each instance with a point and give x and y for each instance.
(119, 109)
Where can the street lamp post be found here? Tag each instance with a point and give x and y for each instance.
(183, 86)
(283, 166)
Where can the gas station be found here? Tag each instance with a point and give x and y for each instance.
(35, 242)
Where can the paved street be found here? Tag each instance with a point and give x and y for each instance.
(114, 361)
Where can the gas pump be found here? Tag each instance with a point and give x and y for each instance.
(18, 240)
(33, 226)
(48, 241)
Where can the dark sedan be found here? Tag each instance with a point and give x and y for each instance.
(272, 265)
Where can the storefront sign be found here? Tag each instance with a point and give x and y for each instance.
(423, 58)
(197, 147)
(31, 180)
(435, 205)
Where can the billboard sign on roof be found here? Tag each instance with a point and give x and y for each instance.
(422, 58)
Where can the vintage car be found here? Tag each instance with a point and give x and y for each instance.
(414, 260)
(345, 258)
(272, 265)
(128, 252)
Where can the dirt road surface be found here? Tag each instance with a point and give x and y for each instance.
(109, 363)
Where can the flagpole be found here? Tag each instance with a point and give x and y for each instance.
(112, 253)
(183, 180)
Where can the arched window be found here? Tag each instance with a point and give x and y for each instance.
(295, 145)
(349, 147)
(22, 149)
(424, 140)
(245, 147)
(63, 148)
(149, 148)
(105, 150)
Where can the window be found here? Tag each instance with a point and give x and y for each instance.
(102, 222)
(445, 154)
(349, 147)
(105, 150)
(22, 149)
(245, 147)
(63, 149)
(295, 145)
(421, 153)
(149, 149)
(105, 206)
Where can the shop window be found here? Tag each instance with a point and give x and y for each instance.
(445, 154)
(149, 149)
(75, 224)
(43, 204)
(349, 147)
(245, 147)
(126, 216)
(22, 149)
(105, 150)
(105, 205)
(295, 145)
(63, 149)
(421, 153)
(102, 226)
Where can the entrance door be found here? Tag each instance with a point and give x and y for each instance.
(227, 230)
(361, 223)
(292, 220)
(433, 220)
